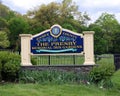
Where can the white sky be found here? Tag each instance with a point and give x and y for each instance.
(94, 8)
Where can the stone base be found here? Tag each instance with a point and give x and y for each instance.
(64, 68)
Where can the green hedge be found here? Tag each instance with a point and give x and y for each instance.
(10, 64)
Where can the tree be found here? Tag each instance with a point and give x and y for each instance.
(99, 41)
(68, 9)
(44, 17)
(4, 42)
(65, 13)
(116, 43)
(46, 14)
(11, 25)
(4, 11)
(68, 26)
(17, 26)
(109, 26)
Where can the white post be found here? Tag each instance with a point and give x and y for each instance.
(89, 47)
(25, 49)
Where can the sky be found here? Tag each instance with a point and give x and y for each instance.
(94, 8)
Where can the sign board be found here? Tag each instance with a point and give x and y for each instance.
(57, 40)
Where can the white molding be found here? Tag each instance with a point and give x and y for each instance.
(40, 33)
(57, 54)
(72, 32)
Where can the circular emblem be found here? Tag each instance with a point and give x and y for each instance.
(55, 31)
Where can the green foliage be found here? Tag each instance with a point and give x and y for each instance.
(51, 76)
(33, 61)
(106, 27)
(4, 42)
(68, 26)
(4, 11)
(65, 14)
(101, 74)
(19, 25)
(3, 23)
(10, 63)
(116, 43)
(116, 79)
(99, 41)
(0, 70)
(4, 56)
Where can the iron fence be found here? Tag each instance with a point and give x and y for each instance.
(59, 59)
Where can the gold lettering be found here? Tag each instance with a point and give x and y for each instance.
(74, 43)
(63, 43)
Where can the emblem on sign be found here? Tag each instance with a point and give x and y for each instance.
(56, 31)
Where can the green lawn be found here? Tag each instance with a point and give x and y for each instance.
(106, 59)
(55, 90)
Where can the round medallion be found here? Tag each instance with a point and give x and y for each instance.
(56, 31)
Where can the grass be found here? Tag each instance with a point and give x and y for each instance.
(106, 59)
(55, 90)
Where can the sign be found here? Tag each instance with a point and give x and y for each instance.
(57, 40)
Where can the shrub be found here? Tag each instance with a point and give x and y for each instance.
(4, 55)
(101, 74)
(34, 61)
(10, 70)
(116, 79)
(10, 63)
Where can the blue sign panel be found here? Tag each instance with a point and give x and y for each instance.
(56, 40)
